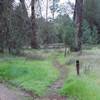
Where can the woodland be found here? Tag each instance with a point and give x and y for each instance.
(49, 49)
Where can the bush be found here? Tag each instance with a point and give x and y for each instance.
(89, 36)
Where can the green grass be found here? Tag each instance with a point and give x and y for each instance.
(37, 75)
(81, 88)
(31, 75)
(87, 85)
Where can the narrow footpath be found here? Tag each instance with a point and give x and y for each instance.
(52, 93)
(7, 93)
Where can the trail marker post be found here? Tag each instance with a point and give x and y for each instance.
(78, 67)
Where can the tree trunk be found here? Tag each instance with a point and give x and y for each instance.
(46, 10)
(1, 28)
(53, 9)
(46, 40)
(78, 18)
(24, 7)
(34, 38)
(40, 8)
(65, 53)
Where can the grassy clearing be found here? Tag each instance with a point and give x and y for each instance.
(81, 88)
(36, 75)
(31, 75)
(86, 86)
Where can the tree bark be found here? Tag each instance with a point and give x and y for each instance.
(53, 9)
(46, 10)
(34, 37)
(24, 7)
(78, 18)
(1, 28)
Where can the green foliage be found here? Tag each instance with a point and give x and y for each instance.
(92, 14)
(5, 7)
(68, 35)
(66, 30)
(89, 36)
(61, 30)
(14, 28)
(18, 29)
(46, 32)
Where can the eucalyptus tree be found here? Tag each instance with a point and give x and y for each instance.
(34, 43)
(5, 10)
(92, 15)
(54, 6)
(18, 26)
(78, 18)
(1, 31)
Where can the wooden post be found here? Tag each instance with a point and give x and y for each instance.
(78, 67)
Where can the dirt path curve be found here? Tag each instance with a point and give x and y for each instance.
(7, 93)
(52, 93)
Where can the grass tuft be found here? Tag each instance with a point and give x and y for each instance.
(81, 88)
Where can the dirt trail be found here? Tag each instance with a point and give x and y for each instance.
(7, 93)
(52, 93)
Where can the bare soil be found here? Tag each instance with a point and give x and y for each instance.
(7, 93)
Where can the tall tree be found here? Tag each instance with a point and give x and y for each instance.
(92, 15)
(90, 12)
(47, 2)
(5, 9)
(54, 7)
(40, 8)
(18, 24)
(24, 7)
(1, 31)
(34, 36)
(78, 18)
